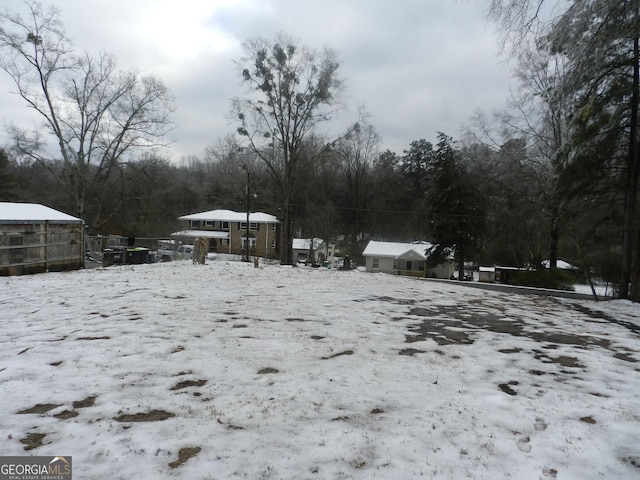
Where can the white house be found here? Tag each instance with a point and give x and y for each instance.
(302, 247)
(404, 259)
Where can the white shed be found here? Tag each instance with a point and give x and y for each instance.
(35, 238)
(403, 259)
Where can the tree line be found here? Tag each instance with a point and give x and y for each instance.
(552, 176)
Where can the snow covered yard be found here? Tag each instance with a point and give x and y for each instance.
(224, 371)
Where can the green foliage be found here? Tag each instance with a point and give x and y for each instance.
(7, 180)
(454, 202)
(545, 278)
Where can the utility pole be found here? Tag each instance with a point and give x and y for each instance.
(246, 256)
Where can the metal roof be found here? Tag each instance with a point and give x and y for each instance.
(32, 212)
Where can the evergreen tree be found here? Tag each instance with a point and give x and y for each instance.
(454, 205)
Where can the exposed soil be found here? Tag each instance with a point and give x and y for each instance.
(185, 454)
(452, 324)
(33, 440)
(410, 352)
(188, 383)
(39, 408)
(461, 324)
(268, 370)
(152, 416)
(346, 352)
(506, 388)
(66, 414)
(84, 403)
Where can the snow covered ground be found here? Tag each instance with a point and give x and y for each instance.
(219, 371)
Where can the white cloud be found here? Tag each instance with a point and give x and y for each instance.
(420, 66)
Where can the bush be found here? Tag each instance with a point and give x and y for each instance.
(543, 278)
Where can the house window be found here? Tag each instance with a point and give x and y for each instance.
(224, 241)
(395, 264)
(195, 224)
(273, 244)
(224, 225)
(209, 223)
(252, 242)
(409, 265)
(375, 263)
(273, 227)
(252, 226)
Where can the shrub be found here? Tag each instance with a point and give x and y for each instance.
(544, 278)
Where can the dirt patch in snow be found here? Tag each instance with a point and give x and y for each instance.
(85, 402)
(33, 440)
(346, 352)
(188, 383)
(185, 454)
(152, 416)
(40, 408)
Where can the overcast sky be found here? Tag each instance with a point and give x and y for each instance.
(419, 66)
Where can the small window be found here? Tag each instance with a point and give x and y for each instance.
(375, 263)
(195, 224)
(224, 241)
(224, 225)
(409, 265)
(209, 223)
(273, 227)
(273, 244)
(252, 242)
(252, 226)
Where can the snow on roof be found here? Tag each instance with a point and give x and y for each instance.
(32, 212)
(395, 249)
(561, 264)
(304, 243)
(231, 216)
(200, 233)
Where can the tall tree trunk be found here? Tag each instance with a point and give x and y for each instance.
(631, 188)
(286, 248)
(633, 161)
(555, 236)
(460, 252)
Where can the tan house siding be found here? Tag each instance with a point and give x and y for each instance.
(264, 236)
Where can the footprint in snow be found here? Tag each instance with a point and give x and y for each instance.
(540, 424)
(524, 444)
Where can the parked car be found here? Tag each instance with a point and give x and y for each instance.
(185, 252)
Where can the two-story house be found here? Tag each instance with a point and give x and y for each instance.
(227, 232)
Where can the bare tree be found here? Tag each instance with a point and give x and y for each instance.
(99, 117)
(357, 152)
(599, 41)
(291, 90)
